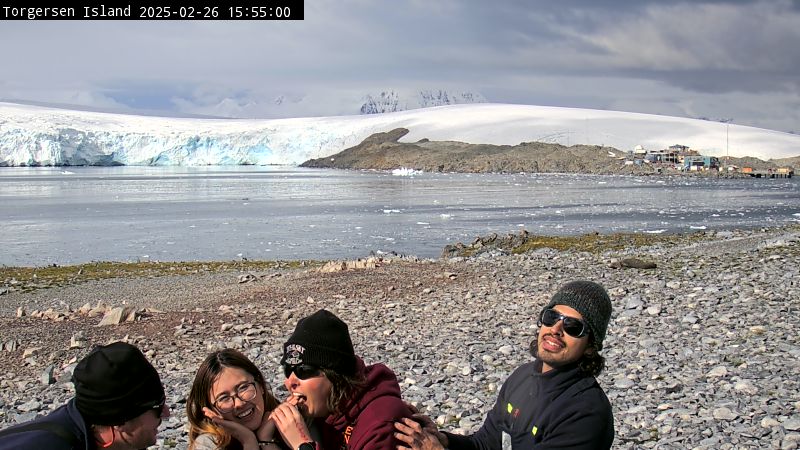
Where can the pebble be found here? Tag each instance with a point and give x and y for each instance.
(695, 357)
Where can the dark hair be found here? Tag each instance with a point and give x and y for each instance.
(344, 388)
(199, 395)
(591, 363)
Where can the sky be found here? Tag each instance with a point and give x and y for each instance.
(719, 60)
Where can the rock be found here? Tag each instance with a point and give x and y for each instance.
(792, 424)
(118, 315)
(724, 414)
(78, 340)
(31, 351)
(719, 371)
(30, 405)
(47, 377)
(246, 278)
(633, 263)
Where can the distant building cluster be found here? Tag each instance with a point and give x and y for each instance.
(682, 158)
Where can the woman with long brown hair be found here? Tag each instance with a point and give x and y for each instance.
(229, 404)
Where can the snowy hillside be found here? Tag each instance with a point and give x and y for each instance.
(31, 135)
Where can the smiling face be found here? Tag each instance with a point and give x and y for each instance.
(555, 348)
(233, 380)
(310, 395)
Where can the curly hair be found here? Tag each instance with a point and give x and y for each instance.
(200, 395)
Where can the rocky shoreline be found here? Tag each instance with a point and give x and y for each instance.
(384, 151)
(702, 350)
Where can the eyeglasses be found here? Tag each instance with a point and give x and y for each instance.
(573, 326)
(159, 407)
(301, 371)
(244, 392)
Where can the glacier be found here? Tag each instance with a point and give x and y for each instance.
(40, 136)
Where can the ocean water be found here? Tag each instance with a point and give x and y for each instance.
(82, 214)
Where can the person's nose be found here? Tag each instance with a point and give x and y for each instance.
(291, 382)
(237, 402)
(165, 411)
(558, 328)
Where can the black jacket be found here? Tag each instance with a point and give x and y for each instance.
(561, 409)
(62, 429)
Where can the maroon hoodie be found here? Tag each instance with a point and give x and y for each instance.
(368, 422)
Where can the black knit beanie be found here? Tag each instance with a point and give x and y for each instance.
(322, 340)
(591, 300)
(115, 383)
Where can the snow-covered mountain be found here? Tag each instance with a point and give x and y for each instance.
(393, 101)
(325, 103)
(31, 135)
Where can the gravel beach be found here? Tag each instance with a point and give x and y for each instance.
(702, 351)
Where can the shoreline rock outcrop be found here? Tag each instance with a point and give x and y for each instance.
(384, 151)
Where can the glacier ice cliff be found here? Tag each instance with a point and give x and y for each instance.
(36, 136)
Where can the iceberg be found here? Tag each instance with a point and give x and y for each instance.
(405, 172)
(40, 136)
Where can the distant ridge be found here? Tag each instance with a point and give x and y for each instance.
(383, 151)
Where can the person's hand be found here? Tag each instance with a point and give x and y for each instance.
(419, 437)
(291, 425)
(266, 431)
(238, 431)
(429, 427)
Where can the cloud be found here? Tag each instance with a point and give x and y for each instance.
(672, 56)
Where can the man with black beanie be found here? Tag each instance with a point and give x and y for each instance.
(551, 402)
(119, 403)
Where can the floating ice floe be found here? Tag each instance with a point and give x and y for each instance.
(405, 172)
(655, 231)
(695, 227)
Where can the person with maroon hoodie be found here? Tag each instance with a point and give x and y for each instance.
(336, 402)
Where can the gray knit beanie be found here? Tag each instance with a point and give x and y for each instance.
(591, 300)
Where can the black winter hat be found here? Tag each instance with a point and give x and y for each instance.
(115, 383)
(322, 340)
(591, 300)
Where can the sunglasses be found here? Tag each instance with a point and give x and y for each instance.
(574, 327)
(301, 371)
